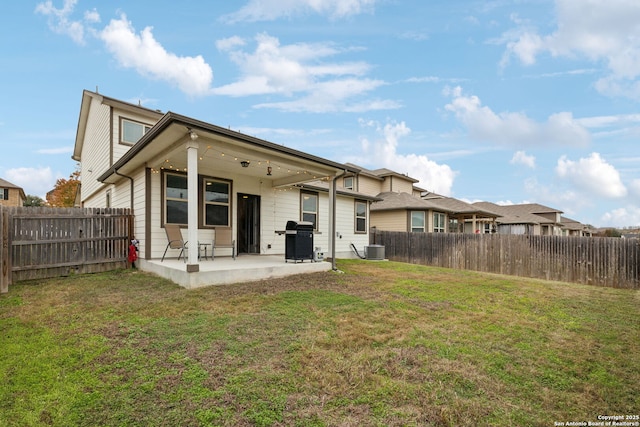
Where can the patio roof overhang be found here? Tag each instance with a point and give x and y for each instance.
(221, 150)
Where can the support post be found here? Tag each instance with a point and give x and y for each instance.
(192, 208)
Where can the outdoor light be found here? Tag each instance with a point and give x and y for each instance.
(245, 163)
(269, 170)
(193, 135)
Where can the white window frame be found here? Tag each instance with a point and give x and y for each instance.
(439, 222)
(418, 228)
(348, 182)
(145, 128)
(305, 212)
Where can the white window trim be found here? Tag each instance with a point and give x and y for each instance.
(422, 228)
(303, 212)
(145, 128)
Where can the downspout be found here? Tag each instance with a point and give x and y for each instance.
(131, 180)
(333, 219)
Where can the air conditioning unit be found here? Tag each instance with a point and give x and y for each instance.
(374, 252)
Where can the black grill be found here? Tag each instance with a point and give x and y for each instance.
(299, 241)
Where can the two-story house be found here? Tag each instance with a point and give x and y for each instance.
(403, 206)
(173, 169)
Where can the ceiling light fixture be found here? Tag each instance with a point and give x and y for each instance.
(245, 163)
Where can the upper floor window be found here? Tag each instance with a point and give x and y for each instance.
(217, 204)
(418, 222)
(348, 183)
(361, 216)
(131, 132)
(4, 194)
(439, 222)
(309, 208)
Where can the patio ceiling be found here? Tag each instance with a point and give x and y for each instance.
(221, 151)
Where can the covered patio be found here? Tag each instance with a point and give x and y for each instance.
(226, 270)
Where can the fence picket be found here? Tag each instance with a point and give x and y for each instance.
(596, 261)
(42, 242)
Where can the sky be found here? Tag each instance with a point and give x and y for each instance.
(521, 101)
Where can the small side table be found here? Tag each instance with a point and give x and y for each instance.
(202, 246)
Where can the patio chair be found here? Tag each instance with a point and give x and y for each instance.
(174, 236)
(223, 239)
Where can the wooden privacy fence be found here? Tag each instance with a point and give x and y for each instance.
(596, 261)
(40, 242)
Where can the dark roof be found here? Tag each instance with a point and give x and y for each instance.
(457, 206)
(517, 214)
(401, 201)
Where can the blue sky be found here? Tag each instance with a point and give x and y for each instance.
(502, 101)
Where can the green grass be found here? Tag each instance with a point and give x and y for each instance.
(384, 344)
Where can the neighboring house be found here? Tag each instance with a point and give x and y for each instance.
(527, 218)
(405, 207)
(173, 169)
(571, 227)
(463, 217)
(11, 194)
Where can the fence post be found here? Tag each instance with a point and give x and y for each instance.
(5, 272)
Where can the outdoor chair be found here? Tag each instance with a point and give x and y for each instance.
(174, 236)
(223, 239)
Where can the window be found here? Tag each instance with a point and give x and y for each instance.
(361, 216)
(348, 183)
(217, 204)
(107, 202)
(454, 226)
(417, 222)
(214, 201)
(438, 222)
(4, 194)
(309, 204)
(131, 132)
(176, 200)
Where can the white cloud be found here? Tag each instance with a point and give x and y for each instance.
(634, 189)
(514, 129)
(299, 70)
(60, 22)
(192, 75)
(592, 175)
(34, 181)
(622, 217)
(522, 158)
(269, 10)
(384, 153)
(597, 30)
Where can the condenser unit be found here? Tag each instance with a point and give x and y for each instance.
(374, 252)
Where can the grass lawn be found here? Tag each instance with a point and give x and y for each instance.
(384, 344)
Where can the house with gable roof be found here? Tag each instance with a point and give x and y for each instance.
(11, 194)
(173, 169)
(403, 206)
(534, 219)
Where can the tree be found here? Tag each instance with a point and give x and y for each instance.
(63, 194)
(31, 200)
